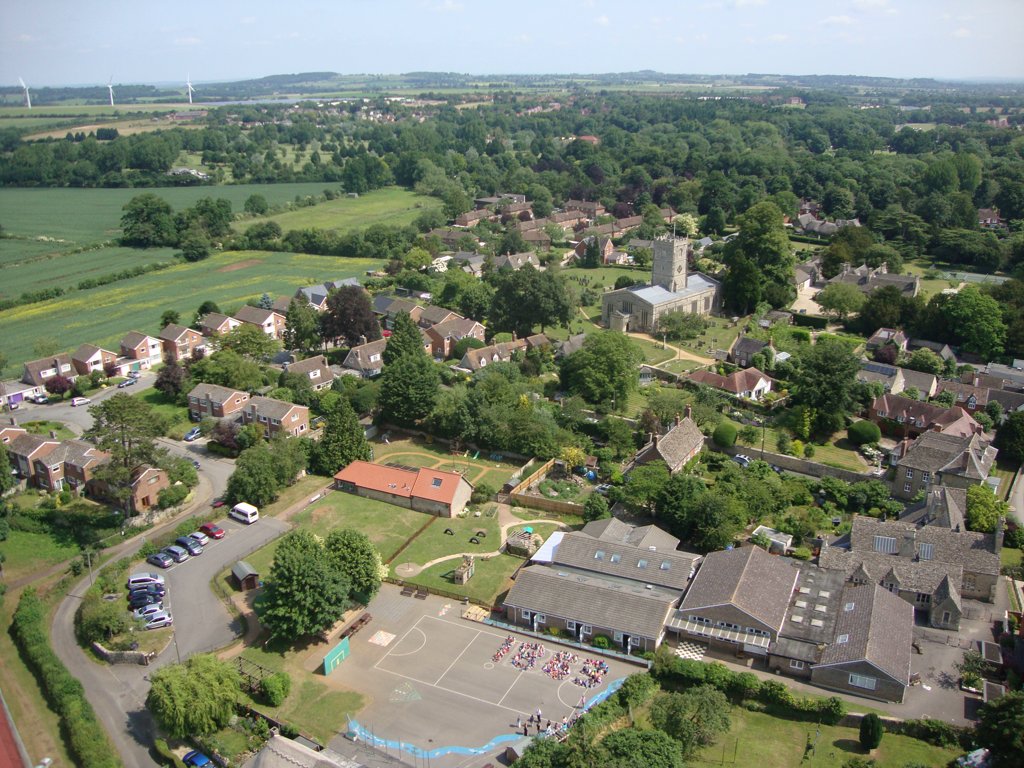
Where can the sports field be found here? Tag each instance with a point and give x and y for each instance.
(103, 315)
(384, 206)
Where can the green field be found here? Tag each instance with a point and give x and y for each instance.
(103, 315)
(385, 206)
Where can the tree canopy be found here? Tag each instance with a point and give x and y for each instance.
(604, 370)
(194, 698)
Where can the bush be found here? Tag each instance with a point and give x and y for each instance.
(87, 742)
(97, 620)
(482, 492)
(864, 432)
(802, 553)
(724, 435)
(832, 710)
(602, 641)
(171, 496)
(275, 688)
(148, 548)
(870, 731)
(166, 756)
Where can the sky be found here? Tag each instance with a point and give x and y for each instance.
(61, 42)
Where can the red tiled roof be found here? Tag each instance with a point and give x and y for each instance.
(422, 483)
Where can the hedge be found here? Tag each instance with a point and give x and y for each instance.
(724, 435)
(167, 757)
(87, 742)
(864, 432)
(812, 321)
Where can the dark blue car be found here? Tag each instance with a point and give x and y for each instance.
(196, 758)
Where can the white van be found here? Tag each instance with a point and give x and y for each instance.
(244, 513)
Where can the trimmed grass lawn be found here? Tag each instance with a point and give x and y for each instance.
(387, 525)
(1008, 556)
(27, 553)
(434, 542)
(771, 742)
(720, 334)
(654, 353)
(176, 416)
(392, 206)
(681, 366)
(1005, 471)
(45, 427)
(419, 453)
(604, 277)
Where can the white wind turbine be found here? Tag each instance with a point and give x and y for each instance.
(28, 97)
(189, 88)
(110, 87)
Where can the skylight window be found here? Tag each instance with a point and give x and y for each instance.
(616, 558)
(599, 555)
(665, 565)
(436, 482)
(849, 606)
(843, 639)
(641, 563)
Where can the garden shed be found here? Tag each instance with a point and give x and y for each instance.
(245, 576)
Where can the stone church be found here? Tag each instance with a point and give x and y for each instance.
(673, 287)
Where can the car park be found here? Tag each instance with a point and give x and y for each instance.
(143, 579)
(158, 620)
(147, 611)
(127, 383)
(192, 434)
(212, 530)
(190, 545)
(176, 553)
(201, 537)
(76, 401)
(160, 560)
(196, 759)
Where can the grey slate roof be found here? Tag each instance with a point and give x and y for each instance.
(667, 569)
(745, 347)
(270, 407)
(748, 578)
(971, 457)
(613, 530)
(214, 392)
(627, 607)
(674, 446)
(879, 629)
(874, 567)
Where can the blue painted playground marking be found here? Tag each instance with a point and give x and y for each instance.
(358, 732)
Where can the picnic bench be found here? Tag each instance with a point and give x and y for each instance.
(408, 591)
(356, 625)
(421, 594)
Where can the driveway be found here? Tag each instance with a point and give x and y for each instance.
(118, 692)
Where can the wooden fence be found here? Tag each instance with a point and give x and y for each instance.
(520, 497)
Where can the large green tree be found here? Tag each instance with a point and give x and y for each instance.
(1010, 436)
(228, 369)
(254, 480)
(984, 509)
(694, 717)
(148, 222)
(126, 427)
(762, 242)
(841, 300)
(249, 341)
(301, 327)
(825, 382)
(343, 440)
(195, 698)
(1001, 729)
(604, 370)
(526, 298)
(408, 389)
(978, 321)
(634, 748)
(354, 556)
(305, 593)
(405, 339)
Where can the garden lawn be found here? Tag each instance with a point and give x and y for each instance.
(1009, 556)
(27, 553)
(392, 206)
(176, 416)
(653, 351)
(720, 334)
(759, 739)
(1005, 471)
(45, 427)
(604, 277)
(387, 525)
(419, 453)
(433, 542)
(103, 315)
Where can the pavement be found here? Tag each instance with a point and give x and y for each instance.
(1016, 498)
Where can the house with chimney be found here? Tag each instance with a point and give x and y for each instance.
(588, 208)
(940, 459)
(503, 352)
(315, 369)
(270, 321)
(743, 349)
(677, 447)
(276, 417)
(445, 335)
(88, 358)
(181, 343)
(867, 279)
(217, 324)
(212, 401)
(37, 372)
(316, 295)
(141, 351)
(366, 359)
(747, 384)
(887, 336)
(906, 417)
(896, 380)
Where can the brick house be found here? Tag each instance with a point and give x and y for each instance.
(146, 484)
(215, 402)
(316, 369)
(141, 351)
(180, 343)
(276, 416)
(905, 417)
(445, 335)
(88, 358)
(444, 494)
(25, 449)
(38, 372)
(216, 324)
(604, 244)
(749, 384)
(272, 323)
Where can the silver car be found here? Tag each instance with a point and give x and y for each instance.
(148, 611)
(158, 620)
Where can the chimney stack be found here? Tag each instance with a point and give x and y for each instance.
(677, 419)
(53, 434)
(689, 412)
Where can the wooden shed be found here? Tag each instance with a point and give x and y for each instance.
(245, 576)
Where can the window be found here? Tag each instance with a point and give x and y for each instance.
(945, 617)
(881, 414)
(665, 565)
(616, 557)
(586, 629)
(925, 551)
(275, 422)
(374, 358)
(525, 614)
(571, 626)
(153, 480)
(922, 598)
(862, 681)
(641, 563)
(910, 473)
(843, 639)
(295, 417)
(599, 555)
(794, 664)
(540, 618)
(906, 487)
(849, 606)
(618, 637)
(925, 477)
(263, 419)
(436, 482)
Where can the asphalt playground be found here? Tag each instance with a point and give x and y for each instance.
(435, 692)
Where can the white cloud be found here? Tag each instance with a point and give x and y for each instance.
(962, 32)
(247, 20)
(27, 38)
(869, 4)
(843, 19)
(191, 40)
(747, 3)
(448, 6)
(602, 21)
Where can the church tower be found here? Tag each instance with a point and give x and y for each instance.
(668, 263)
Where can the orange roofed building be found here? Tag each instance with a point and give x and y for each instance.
(444, 494)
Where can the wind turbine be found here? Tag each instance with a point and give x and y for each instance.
(189, 88)
(28, 98)
(110, 87)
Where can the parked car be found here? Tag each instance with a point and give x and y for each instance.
(176, 553)
(146, 611)
(159, 619)
(150, 589)
(201, 537)
(127, 383)
(195, 464)
(76, 401)
(190, 545)
(144, 579)
(212, 530)
(743, 461)
(603, 489)
(38, 399)
(133, 374)
(160, 560)
(192, 434)
(140, 601)
(218, 503)
(196, 759)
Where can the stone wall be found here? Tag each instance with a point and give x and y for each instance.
(793, 464)
(123, 657)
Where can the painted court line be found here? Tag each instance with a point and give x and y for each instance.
(456, 659)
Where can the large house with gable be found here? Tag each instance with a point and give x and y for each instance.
(936, 459)
(677, 447)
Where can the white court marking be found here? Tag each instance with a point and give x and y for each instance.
(423, 644)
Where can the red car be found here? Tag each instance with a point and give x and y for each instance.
(212, 530)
